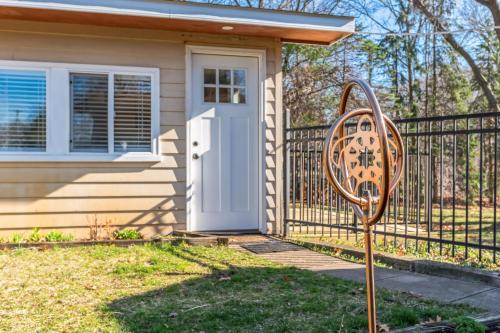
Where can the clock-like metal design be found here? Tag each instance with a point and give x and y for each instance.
(363, 160)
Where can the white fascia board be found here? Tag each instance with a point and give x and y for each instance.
(196, 12)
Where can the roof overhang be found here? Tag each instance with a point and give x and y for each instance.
(291, 27)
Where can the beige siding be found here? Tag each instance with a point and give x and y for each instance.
(147, 196)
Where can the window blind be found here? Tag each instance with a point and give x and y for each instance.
(132, 119)
(89, 112)
(22, 110)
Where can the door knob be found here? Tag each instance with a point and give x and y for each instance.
(195, 143)
(196, 156)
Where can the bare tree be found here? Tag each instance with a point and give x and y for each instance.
(450, 39)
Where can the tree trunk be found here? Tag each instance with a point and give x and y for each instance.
(426, 66)
(434, 73)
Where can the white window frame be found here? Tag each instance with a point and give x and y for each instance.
(58, 110)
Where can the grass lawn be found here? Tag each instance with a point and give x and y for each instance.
(460, 231)
(473, 215)
(461, 216)
(186, 289)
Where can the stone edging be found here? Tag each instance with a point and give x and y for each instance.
(412, 264)
(190, 238)
(49, 245)
(490, 320)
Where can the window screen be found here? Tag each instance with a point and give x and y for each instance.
(22, 110)
(89, 112)
(132, 99)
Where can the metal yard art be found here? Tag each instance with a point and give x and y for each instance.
(364, 166)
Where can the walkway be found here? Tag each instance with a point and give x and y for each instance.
(439, 288)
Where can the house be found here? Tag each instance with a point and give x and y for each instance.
(149, 114)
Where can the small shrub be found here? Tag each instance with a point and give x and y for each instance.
(17, 238)
(127, 234)
(57, 236)
(35, 236)
(468, 325)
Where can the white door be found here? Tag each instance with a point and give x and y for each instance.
(224, 163)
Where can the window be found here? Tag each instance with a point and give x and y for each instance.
(22, 110)
(132, 113)
(224, 86)
(89, 113)
(78, 112)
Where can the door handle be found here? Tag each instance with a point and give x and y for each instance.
(196, 156)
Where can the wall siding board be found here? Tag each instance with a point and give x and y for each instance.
(90, 190)
(21, 206)
(172, 76)
(106, 174)
(173, 132)
(173, 146)
(172, 118)
(172, 90)
(169, 104)
(148, 196)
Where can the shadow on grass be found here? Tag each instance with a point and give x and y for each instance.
(264, 299)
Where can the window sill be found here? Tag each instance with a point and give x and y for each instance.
(75, 157)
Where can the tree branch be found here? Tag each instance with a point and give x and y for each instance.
(476, 71)
(494, 9)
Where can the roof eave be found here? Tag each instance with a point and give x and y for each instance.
(288, 26)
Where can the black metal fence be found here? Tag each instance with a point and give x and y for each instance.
(446, 203)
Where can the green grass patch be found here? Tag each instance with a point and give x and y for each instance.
(468, 325)
(422, 250)
(459, 224)
(187, 289)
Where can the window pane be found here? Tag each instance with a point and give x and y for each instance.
(132, 113)
(239, 77)
(239, 96)
(209, 76)
(224, 76)
(224, 95)
(89, 112)
(209, 95)
(22, 110)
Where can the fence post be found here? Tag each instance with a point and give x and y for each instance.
(286, 171)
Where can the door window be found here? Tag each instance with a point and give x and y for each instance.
(223, 85)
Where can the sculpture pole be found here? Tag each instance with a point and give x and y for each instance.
(367, 181)
(370, 279)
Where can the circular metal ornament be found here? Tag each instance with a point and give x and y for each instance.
(345, 151)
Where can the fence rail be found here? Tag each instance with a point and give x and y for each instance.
(446, 202)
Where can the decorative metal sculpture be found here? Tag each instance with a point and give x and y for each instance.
(364, 166)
